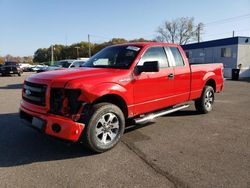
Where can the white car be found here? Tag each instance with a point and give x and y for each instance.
(39, 67)
(69, 63)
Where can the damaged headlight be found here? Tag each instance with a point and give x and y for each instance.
(64, 101)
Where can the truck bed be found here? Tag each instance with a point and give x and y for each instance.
(204, 71)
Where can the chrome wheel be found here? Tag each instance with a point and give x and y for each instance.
(107, 128)
(209, 99)
(204, 104)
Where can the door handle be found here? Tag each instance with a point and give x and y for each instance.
(171, 76)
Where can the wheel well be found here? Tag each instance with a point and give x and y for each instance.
(211, 83)
(116, 100)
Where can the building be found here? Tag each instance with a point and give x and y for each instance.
(233, 52)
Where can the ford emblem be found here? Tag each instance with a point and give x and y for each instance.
(27, 92)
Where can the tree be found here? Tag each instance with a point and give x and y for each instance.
(27, 59)
(140, 40)
(117, 41)
(181, 31)
(1, 60)
(42, 55)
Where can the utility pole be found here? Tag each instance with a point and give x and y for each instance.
(199, 32)
(52, 54)
(233, 33)
(77, 52)
(89, 45)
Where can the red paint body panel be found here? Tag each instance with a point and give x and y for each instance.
(142, 93)
(200, 76)
(69, 130)
(152, 91)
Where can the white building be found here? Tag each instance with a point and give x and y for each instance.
(232, 52)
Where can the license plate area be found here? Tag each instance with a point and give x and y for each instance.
(38, 123)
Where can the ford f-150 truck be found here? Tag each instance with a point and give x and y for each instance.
(135, 81)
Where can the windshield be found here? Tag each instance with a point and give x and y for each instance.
(64, 64)
(114, 57)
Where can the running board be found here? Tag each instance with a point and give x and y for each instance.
(151, 116)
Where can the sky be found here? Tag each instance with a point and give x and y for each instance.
(26, 25)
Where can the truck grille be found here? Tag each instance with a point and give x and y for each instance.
(8, 69)
(11, 68)
(34, 93)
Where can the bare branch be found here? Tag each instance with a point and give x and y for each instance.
(181, 30)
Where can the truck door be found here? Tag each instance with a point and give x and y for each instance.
(182, 74)
(154, 90)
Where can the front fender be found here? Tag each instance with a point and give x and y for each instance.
(110, 88)
(90, 94)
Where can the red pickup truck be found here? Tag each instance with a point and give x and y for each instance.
(135, 81)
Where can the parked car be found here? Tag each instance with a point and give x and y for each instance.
(83, 59)
(135, 81)
(63, 64)
(25, 66)
(10, 68)
(69, 63)
(38, 67)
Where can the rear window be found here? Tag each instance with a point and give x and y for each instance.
(177, 56)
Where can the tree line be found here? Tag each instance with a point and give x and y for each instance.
(18, 59)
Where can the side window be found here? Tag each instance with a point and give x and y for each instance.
(155, 54)
(177, 56)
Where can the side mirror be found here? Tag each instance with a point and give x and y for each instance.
(148, 66)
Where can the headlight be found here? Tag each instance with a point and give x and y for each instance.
(73, 103)
(64, 101)
(56, 101)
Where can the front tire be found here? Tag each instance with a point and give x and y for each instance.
(104, 127)
(205, 103)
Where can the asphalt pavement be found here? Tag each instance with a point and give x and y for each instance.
(183, 149)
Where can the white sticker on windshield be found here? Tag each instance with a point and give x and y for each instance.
(134, 48)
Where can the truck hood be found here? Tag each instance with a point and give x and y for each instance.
(83, 74)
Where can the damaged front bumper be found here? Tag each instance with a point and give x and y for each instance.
(53, 125)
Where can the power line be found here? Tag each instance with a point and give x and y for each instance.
(208, 35)
(221, 21)
(245, 16)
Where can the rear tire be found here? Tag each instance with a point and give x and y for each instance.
(104, 126)
(205, 103)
